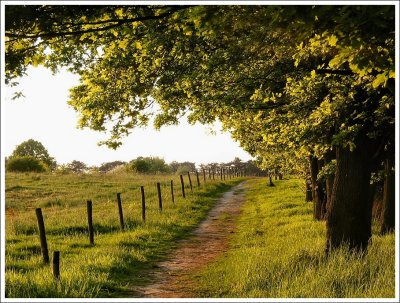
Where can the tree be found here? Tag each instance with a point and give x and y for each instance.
(287, 81)
(25, 164)
(108, 166)
(149, 165)
(36, 150)
(182, 167)
(77, 166)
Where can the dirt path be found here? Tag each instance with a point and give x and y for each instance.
(208, 241)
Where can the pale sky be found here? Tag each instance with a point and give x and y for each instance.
(44, 115)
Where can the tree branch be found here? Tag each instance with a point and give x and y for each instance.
(343, 72)
(118, 22)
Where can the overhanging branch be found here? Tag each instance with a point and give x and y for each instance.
(116, 22)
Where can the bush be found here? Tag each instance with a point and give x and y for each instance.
(149, 165)
(183, 169)
(25, 164)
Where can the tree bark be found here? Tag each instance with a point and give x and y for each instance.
(330, 155)
(322, 192)
(317, 191)
(388, 205)
(309, 196)
(350, 209)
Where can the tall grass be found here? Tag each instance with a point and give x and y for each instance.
(118, 257)
(278, 252)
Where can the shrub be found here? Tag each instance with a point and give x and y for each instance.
(149, 165)
(25, 164)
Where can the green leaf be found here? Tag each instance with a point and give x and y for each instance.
(332, 40)
(380, 80)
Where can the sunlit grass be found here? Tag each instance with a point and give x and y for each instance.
(278, 252)
(118, 257)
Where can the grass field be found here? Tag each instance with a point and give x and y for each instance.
(118, 257)
(278, 252)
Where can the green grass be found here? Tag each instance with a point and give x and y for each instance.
(119, 258)
(278, 252)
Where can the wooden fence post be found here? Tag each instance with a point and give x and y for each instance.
(197, 177)
(56, 265)
(90, 222)
(143, 204)
(190, 182)
(159, 196)
(121, 214)
(172, 191)
(42, 235)
(182, 185)
(220, 172)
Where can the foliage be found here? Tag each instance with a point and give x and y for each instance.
(183, 169)
(285, 80)
(149, 165)
(108, 166)
(177, 166)
(36, 150)
(25, 164)
(77, 166)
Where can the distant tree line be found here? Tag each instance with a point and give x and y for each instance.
(32, 156)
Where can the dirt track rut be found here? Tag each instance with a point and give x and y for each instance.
(208, 241)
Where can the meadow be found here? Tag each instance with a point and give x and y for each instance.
(277, 251)
(118, 258)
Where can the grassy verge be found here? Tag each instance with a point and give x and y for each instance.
(118, 258)
(277, 252)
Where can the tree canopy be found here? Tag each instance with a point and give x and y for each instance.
(287, 81)
(267, 65)
(36, 150)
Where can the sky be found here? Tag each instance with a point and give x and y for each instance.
(44, 115)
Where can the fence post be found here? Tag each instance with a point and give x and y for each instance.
(42, 235)
(159, 196)
(182, 185)
(172, 191)
(220, 172)
(197, 177)
(143, 204)
(121, 214)
(190, 182)
(90, 222)
(56, 264)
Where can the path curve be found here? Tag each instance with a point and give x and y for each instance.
(208, 241)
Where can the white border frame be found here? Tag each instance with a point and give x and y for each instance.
(2, 181)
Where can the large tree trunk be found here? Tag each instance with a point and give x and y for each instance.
(317, 188)
(329, 180)
(309, 195)
(349, 211)
(322, 192)
(388, 204)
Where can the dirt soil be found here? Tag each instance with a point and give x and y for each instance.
(171, 279)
